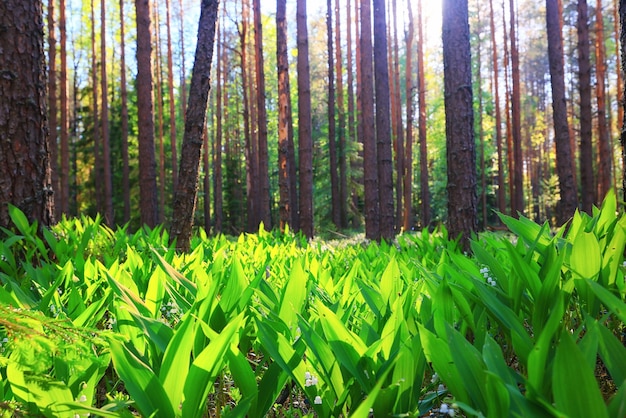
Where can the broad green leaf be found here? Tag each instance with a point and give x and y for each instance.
(390, 285)
(141, 382)
(176, 359)
(586, 258)
(294, 296)
(613, 354)
(615, 305)
(245, 380)
(575, 389)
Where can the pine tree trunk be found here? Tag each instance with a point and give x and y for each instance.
(461, 155)
(604, 139)
(63, 202)
(285, 125)
(264, 179)
(586, 122)
(170, 94)
(183, 72)
(97, 128)
(124, 119)
(109, 217)
(332, 134)
(304, 125)
(516, 124)
(217, 150)
(341, 120)
(479, 122)
(421, 102)
(509, 124)
(158, 72)
(206, 184)
(568, 202)
(185, 195)
(25, 177)
(397, 121)
(148, 204)
(498, 113)
(53, 120)
(407, 218)
(351, 130)
(622, 38)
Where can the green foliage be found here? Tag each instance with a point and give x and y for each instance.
(113, 324)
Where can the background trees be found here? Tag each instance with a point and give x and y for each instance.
(518, 161)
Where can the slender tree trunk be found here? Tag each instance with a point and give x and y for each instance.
(397, 121)
(368, 133)
(479, 122)
(63, 201)
(332, 133)
(186, 191)
(304, 126)
(264, 179)
(351, 131)
(97, 128)
(604, 139)
(170, 93)
(622, 38)
(568, 202)
(498, 114)
(407, 218)
(461, 154)
(206, 184)
(341, 120)
(109, 217)
(25, 177)
(421, 102)
(285, 125)
(618, 58)
(586, 122)
(383, 127)
(158, 73)
(53, 120)
(148, 203)
(217, 150)
(509, 124)
(183, 72)
(124, 118)
(516, 127)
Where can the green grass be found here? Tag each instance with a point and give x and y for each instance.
(115, 324)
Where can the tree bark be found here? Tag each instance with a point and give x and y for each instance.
(332, 133)
(124, 118)
(421, 103)
(604, 139)
(304, 125)
(148, 203)
(341, 121)
(53, 120)
(622, 38)
(97, 121)
(407, 218)
(264, 179)
(25, 177)
(568, 202)
(285, 125)
(170, 94)
(109, 217)
(63, 202)
(383, 126)
(586, 122)
(186, 191)
(368, 132)
(158, 72)
(396, 115)
(516, 115)
(218, 183)
(461, 154)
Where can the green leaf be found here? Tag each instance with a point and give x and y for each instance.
(611, 301)
(294, 296)
(586, 258)
(613, 354)
(575, 389)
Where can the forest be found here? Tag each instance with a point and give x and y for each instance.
(346, 208)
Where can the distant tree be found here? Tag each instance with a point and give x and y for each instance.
(341, 123)
(185, 195)
(383, 127)
(568, 202)
(421, 103)
(63, 201)
(368, 132)
(461, 154)
(25, 177)
(498, 112)
(516, 114)
(148, 203)
(332, 132)
(218, 182)
(124, 118)
(107, 176)
(305, 140)
(264, 180)
(97, 172)
(586, 122)
(287, 203)
(170, 93)
(53, 99)
(396, 114)
(604, 138)
(622, 38)
(407, 213)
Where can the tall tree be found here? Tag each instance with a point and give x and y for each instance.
(604, 138)
(64, 179)
(586, 123)
(52, 99)
(264, 179)
(170, 93)
(498, 113)
(25, 177)
(461, 154)
(186, 194)
(124, 118)
(421, 103)
(383, 127)
(516, 115)
(305, 139)
(218, 183)
(106, 148)
(351, 130)
(341, 123)
(287, 205)
(332, 134)
(407, 217)
(368, 133)
(396, 115)
(158, 82)
(622, 38)
(97, 132)
(568, 202)
(148, 203)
